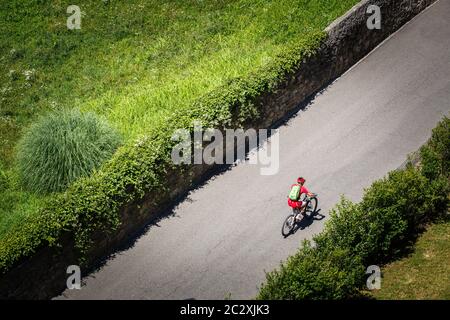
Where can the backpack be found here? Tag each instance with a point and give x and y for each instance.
(295, 193)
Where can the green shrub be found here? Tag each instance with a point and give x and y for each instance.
(416, 199)
(314, 274)
(403, 192)
(388, 217)
(363, 234)
(431, 162)
(63, 146)
(440, 143)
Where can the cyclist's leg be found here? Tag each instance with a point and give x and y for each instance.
(303, 207)
(298, 211)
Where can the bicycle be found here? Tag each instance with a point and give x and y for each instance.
(292, 220)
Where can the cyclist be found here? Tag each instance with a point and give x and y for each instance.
(297, 189)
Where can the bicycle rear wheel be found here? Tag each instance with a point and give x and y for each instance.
(288, 225)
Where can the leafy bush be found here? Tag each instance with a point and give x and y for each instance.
(388, 217)
(410, 195)
(431, 163)
(435, 155)
(362, 233)
(440, 143)
(314, 274)
(62, 147)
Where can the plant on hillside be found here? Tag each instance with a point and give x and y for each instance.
(63, 146)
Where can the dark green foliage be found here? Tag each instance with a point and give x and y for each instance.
(431, 162)
(62, 147)
(314, 274)
(440, 141)
(361, 233)
(435, 155)
(388, 217)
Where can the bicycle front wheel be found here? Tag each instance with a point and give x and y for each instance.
(311, 207)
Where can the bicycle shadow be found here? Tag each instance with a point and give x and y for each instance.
(307, 221)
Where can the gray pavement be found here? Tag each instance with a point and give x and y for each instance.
(226, 234)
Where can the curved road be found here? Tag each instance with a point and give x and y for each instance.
(223, 237)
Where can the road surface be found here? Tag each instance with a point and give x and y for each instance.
(224, 236)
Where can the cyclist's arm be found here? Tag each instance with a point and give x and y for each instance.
(305, 190)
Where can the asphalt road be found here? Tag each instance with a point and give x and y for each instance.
(226, 234)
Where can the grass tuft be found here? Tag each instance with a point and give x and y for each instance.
(62, 147)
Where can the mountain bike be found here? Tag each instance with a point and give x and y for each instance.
(298, 215)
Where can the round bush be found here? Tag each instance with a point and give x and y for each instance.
(63, 146)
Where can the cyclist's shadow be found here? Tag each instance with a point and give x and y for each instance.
(307, 221)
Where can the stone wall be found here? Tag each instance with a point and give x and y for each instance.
(44, 275)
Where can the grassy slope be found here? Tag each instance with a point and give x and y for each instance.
(133, 62)
(425, 274)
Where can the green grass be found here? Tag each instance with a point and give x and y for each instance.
(425, 274)
(16, 207)
(134, 62)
